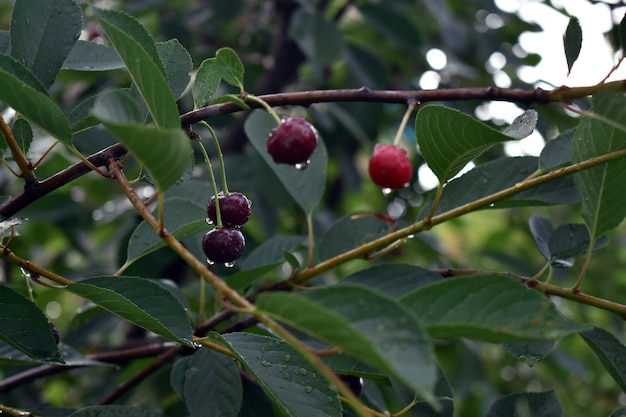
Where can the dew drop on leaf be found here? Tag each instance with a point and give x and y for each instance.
(266, 363)
(308, 389)
(287, 358)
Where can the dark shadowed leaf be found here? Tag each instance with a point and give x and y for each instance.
(139, 301)
(602, 189)
(372, 328)
(209, 383)
(394, 280)
(318, 38)
(572, 239)
(291, 382)
(305, 186)
(350, 232)
(391, 24)
(610, 351)
(572, 42)
(183, 218)
(43, 33)
(490, 307)
(557, 151)
(535, 404)
(114, 411)
(541, 229)
(31, 334)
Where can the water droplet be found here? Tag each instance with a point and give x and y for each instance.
(229, 264)
(386, 191)
(209, 221)
(313, 375)
(266, 363)
(287, 358)
(210, 262)
(406, 184)
(303, 371)
(410, 236)
(302, 165)
(287, 375)
(308, 389)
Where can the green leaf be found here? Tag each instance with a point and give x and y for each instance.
(177, 63)
(449, 139)
(610, 351)
(491, 307)
(572, 42)
(535, 404)
(371, 327)
(255, 402)
(602, 190)
(350, 232)
(209, 383)
(23, 134)
(164, 153)
(140, 55)
(318, 38)
(140, 301)
(21, 90)
(305, 186)
(230, 67)
(43, 33)
(92, 56)
(291, 382)
(206, 82)
(114, 411)
(394, 280)
(182, 218)
(24, 326)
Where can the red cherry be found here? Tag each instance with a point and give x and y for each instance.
(292, 142)
(223, 245)
(390, 167)
(234, 209)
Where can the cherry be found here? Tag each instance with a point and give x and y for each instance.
(223, 245)
(390, 167)
(234, 209)
(292, 142)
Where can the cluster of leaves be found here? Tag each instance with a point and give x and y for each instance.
(268, 346)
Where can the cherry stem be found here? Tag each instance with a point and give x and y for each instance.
(218, 214)
(405, 120)
(220, 156)
(264, 104)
